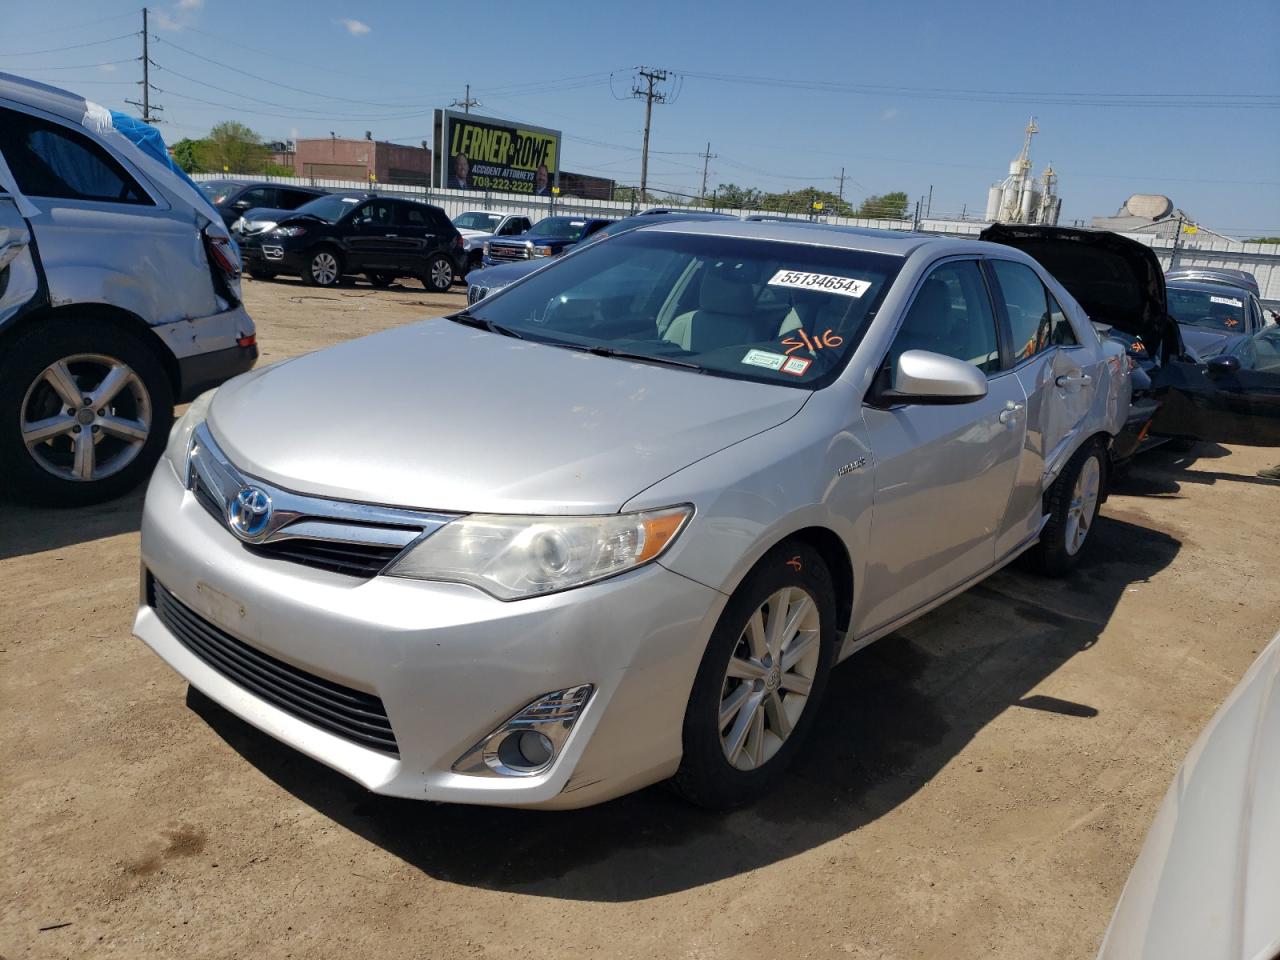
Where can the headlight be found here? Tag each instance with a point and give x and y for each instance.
(541, 251)
(260, 226)
(515, 557)
(238, 226)
(179, 446)
(288, 231)
(486, 248)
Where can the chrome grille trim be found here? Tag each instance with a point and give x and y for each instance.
(356, 539)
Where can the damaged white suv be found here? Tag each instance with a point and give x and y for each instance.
(119, 296)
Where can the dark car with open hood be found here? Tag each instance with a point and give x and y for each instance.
(1119, 283)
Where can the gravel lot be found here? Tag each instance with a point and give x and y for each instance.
(980, 784)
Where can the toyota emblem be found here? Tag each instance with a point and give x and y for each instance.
(249, 513)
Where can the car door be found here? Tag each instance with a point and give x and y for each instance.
(513, 226)
(373, 240)
(420, 235)
(1234, 398)
(1060, 378)
(943, 473)
(248, 200)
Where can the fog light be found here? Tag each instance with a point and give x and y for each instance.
(529, 742)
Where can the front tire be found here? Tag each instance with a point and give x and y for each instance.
(1073, 504)
(439, 275)
(85, 409)
(761, 680)
(323, 268)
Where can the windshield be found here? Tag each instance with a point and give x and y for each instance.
(328, 209)
(559, 228)
(478, 221)
(1216, 309)
(216, 190)
(782, 313)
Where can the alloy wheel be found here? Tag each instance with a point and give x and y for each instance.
(1084, 504)
(769, 677)
(85, 417)
(441, 274)
(324, 268)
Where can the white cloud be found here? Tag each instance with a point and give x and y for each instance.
(180, 14)
(107, 67)
(890, 114)
(354, 27)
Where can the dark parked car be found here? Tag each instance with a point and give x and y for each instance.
(549, 237)
(342, 234)
(1186, 398)
(235, 198)
(1214, 314)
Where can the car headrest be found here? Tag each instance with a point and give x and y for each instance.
(726, 290)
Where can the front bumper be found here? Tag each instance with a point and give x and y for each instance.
(448, 662)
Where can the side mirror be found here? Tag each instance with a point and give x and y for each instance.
(920, 376)
(1222, 365)
(241, 205)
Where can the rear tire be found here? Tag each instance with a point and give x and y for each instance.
(732, 756)
(439, 275)
(323, 268)
(114, 445)
(1073, 504)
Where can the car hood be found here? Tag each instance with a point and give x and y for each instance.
(505, 273)
(1116, 280)
(1207, 881)
(1205, 342)
(266, 213)
(534, 239)
(466, 232)
(441, 416)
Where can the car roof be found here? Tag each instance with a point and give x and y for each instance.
(1204, 285)
(821, 234)
(55, 100)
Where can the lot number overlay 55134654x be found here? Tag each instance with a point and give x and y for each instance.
(823, 282)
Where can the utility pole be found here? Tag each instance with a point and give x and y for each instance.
(1177, 242)
(148, 111)
(840, 192)
(466, 103)
(651, 77)
(706, 158)
(928, 207)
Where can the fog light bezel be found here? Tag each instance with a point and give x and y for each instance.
(551, 717)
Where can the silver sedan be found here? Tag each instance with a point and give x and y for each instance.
(618, 522)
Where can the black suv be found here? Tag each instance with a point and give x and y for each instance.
(341, 234)
(234, 198)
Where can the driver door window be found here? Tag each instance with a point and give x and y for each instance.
(374, 215)
(952, 315)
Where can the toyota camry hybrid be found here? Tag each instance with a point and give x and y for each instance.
(620, 519)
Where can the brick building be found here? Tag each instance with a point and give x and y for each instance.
(343, 159)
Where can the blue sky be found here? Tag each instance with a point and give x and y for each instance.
(902, 95)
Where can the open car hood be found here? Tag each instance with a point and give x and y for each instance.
(1116, 280)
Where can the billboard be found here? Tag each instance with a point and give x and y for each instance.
(481, 153)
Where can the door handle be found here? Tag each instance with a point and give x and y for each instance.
(1010, 412)
(392, 234)
(1066, 380)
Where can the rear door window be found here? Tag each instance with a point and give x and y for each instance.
(50, 160)
(412, 216)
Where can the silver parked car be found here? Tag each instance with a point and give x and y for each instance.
(1207, 882)
(625, 515)
(119, 296)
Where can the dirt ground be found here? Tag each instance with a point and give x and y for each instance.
(979, 785)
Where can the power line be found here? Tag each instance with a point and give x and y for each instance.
(466, 103)
(73, 46)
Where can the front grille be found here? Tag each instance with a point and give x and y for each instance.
(353, 539)
(351, 714)
(505, 252)
(353, 559)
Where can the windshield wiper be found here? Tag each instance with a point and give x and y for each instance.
(642, 357)
(466, 318)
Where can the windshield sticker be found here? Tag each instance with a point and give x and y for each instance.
(577, 223)
(1227, 300)
(796, 366)
(824, 282)
(801, 341)
(763, 358)
(350, 199)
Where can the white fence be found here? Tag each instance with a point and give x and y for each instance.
(1260, 259)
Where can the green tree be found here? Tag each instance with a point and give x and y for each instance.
(889, 206)
(801, 203)
(1263, 240)
(185, 154)
(737, 198)
(231, 147)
